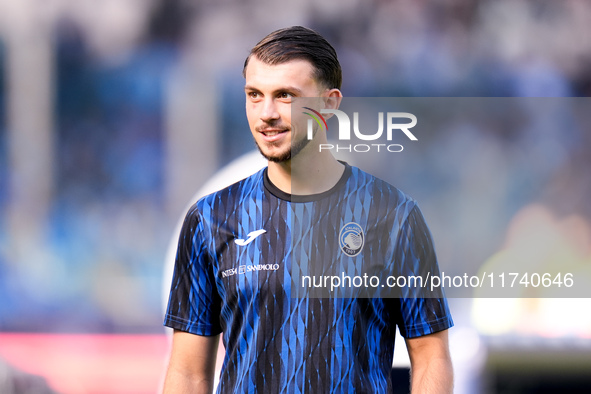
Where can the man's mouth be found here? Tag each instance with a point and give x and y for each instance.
(272, 135)
(272, 132)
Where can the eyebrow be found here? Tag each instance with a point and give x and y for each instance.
(283, 89)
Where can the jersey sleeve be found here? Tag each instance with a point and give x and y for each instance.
(420, 311)
(194, 303)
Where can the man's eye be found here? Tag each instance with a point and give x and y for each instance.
(285, 95)
(253, 95)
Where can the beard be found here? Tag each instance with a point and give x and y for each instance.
(292, 151)
(281, 157)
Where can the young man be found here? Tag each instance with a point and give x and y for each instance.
(233, 273)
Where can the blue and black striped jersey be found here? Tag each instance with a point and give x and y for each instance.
(234, 274)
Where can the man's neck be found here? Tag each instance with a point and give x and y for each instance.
(299, 176)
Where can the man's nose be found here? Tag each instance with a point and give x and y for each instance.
(269, 111)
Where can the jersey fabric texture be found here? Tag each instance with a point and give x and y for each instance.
(230, 276)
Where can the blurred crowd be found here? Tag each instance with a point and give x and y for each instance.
(108, 224)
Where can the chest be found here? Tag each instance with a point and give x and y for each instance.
(269, 249)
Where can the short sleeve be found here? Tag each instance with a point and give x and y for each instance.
(420, 313)
(194, 303)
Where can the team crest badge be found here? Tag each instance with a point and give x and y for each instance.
(351, 239)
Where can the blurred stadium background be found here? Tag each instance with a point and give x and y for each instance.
(113, 113)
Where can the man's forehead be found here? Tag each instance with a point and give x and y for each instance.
(295, 67)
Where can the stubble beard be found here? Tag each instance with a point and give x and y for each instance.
(281, 157)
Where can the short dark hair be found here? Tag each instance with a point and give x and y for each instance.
(299, 42)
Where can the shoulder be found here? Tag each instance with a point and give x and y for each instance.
(380, 191)
(229, 195)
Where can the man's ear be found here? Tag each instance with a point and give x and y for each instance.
(332, 100)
